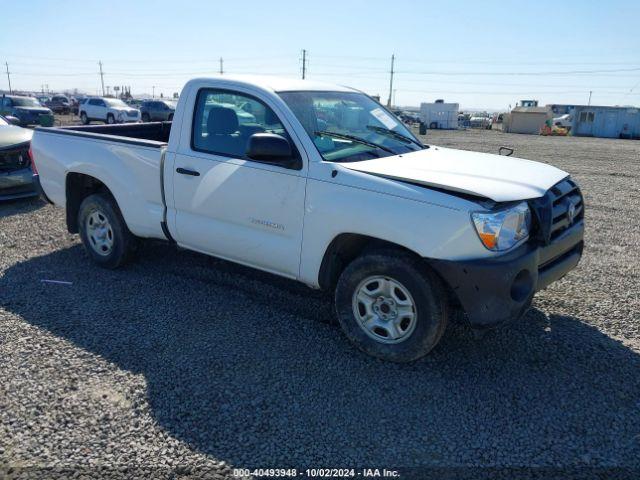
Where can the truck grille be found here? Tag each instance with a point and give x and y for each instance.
(567, 206)
(14, 159)
(559, 209)
(132, 113)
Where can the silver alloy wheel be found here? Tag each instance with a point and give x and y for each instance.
(384, 309)
(99, 233)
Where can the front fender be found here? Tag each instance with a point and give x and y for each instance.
(430, 230)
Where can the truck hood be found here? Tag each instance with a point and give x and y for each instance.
(11, 135)
(497, 177)
(33, 109)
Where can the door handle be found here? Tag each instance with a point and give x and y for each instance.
(184, 171)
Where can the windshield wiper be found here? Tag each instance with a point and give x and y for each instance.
(353, 138)
(394, 134)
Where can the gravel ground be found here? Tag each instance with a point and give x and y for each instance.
(181, 365)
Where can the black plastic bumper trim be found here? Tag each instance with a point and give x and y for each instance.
(499, 289)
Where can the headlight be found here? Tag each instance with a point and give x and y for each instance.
(502, 230)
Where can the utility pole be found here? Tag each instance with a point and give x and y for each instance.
(101, 77)
(153, 91)
(8, 76)
(393, 59)
(221, 66)
(304, 64)
(590, 92)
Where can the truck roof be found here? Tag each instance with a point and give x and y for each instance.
(278, 84)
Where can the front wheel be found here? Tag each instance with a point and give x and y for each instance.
(104, 233)
(391, 306)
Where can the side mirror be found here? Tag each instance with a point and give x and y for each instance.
(271, 148)
(12, 120)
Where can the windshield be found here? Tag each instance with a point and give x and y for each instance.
(350, 126)
(114, 102)
(25, 102)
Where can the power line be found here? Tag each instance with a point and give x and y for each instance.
(571, 72)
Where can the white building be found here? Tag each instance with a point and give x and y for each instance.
(440, 115)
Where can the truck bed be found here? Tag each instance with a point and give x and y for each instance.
(127, 158)
(152, 134)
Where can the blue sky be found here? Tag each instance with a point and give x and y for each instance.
(482, 54)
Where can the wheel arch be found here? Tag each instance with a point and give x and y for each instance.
(79, 186)
(343, 249)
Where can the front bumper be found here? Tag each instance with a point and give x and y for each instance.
(17, 184)
(498, 289)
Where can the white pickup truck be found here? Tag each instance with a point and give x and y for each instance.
(321, 184)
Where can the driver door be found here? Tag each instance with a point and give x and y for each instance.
(228, 205)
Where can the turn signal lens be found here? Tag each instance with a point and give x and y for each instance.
(502, 230)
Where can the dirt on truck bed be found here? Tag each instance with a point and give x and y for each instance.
(183, 365)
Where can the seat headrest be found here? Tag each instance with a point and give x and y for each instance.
(270, 117)
(222, 121)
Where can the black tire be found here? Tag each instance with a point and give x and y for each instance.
(83, 118)
(426, 288)
(111, 119)
(146, 118)
(124, 242)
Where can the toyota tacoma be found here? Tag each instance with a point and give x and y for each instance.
(326, 186)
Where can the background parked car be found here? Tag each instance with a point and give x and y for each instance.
(74, 103)
(134, 102)
(157, 110)
(26, 109)
(59, 104)
(108, 110)
(16, 178)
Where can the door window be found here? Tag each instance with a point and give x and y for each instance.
(224, 120)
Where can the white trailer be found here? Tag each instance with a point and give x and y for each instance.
(440, 115)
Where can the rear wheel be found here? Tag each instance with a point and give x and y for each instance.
(111, 119)
(146, 118)
(84, 119)
(170, 118)
(104, 233)
(390, 306)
